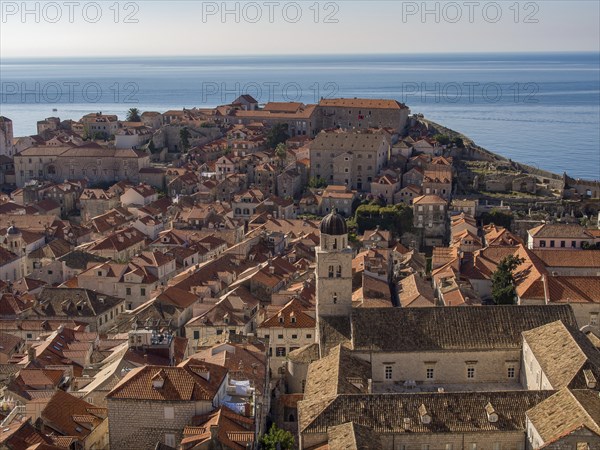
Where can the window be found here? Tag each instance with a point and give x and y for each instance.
(49, 272)
(127, 291)
(196, 334)
(294, 336)
(471, 372)
(330, 271)
(542, 244)
(169, 412)
(388, 372)
(594, 319)
(563, 244)
(429, 373)
(338, 273)
(170, 439)
(280, 336)
(29, 336)
(335, 298)
(280, 351)
(143, 291)
(219, 332)
(309, 336)
(574, 244)
(511, 372)
(551, 243)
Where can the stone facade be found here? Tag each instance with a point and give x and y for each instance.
(351, 159)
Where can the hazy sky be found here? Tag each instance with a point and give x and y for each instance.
(143, 28)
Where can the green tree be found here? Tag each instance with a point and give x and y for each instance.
(281, 151)
(497, 217)
(442, 139)
(184, 138)
(277, 134)
(503, 282)
(277, 436)
(133, 115)
(317, 183)
(395, 218)
(458, 141)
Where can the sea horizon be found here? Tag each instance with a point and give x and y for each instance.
(521, 103)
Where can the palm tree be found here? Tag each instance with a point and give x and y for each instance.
(133, 115)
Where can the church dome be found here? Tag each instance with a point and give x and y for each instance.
(334, 224)
(12, 230)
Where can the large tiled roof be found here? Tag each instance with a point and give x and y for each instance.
(71, 416)
(568, 258)
(337, 373)
(362, 103)
(190, 381)
(347, 141)
(351, 436)
(468, 328)
(457, 412)
(292, 315)
(574, 289)
(563, 354)
(564, 412)
(560, 230)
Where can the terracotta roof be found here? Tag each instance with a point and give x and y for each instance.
(428, 200)
(567, 289)
(291, 315)
(190, 381)
(71, 416)
(416, 292)
(560, 230)
(362, 103)
(568, 258)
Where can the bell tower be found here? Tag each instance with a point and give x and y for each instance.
(334, 270)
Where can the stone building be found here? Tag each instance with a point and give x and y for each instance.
(153, 404)
(333, 272)
(429, 215)
(89, 161)
(349, 158)
(362, 113)
(6, 137)
(286, 330)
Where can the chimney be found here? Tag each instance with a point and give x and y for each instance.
(31, 354)
(491, 413)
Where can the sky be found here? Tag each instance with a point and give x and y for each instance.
(172, 28)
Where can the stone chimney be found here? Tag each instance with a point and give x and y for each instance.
(31, 354)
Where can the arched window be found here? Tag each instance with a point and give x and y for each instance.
(335, 244)
(330, 271)
(338, 273)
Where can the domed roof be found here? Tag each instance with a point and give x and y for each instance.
(12, 230)
(334, 224)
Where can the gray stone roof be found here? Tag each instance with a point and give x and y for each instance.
(456, 412)
(435, 329)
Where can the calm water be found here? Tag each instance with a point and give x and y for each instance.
(540, 109)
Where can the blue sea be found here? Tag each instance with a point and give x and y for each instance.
(539, 109)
